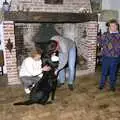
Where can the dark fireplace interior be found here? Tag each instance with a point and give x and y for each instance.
(42, 37)
(30, 36)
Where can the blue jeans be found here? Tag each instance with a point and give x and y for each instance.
(71, 67)
(109, 65)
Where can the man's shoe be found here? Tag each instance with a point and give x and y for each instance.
(70, 86)
(101, 88)
(60, 85)
(113, 89)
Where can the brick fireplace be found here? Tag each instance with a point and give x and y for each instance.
(23, 26)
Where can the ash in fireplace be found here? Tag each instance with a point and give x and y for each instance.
(81, 63)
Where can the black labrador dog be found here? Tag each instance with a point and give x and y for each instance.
(40, 93)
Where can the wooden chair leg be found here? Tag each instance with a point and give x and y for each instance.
(2, 70)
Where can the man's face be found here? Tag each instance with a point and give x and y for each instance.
(113, 27)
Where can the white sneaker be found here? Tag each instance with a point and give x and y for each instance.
(27, 90)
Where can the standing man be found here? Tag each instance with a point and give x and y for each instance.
(67, 54)
(110, 43)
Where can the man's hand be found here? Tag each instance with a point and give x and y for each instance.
(56, 72)
(46, 68)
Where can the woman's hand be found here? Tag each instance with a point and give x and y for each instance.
(46, 68)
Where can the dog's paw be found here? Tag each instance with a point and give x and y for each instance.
(50, 102)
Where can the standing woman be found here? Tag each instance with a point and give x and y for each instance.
(110, 43)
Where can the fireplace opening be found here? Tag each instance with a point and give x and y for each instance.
(30, 36)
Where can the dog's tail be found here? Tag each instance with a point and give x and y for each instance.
(28, 102)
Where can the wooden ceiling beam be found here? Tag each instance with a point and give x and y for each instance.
(49, 17)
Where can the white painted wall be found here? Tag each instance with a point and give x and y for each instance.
(102, 26)
(115, 4)
(2, 47)
(1, 37)
(106, 4)
(1, 2)
(111, 5)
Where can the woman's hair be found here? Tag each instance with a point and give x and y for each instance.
(112, 21)
(36, 52)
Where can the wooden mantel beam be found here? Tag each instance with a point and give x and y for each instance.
(34, 17)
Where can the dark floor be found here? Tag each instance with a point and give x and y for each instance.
(86, 102)
(3, 81)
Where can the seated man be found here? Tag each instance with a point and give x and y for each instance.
(31, 70)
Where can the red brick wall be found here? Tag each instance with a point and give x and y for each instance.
(10, 57)
(39, 5)
(19, 42)
(92, 36)
(72, 6)
(87, 46)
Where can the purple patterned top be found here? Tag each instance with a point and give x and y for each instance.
(110, 43)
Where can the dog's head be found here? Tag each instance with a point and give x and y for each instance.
(51, 61)
(50, 56)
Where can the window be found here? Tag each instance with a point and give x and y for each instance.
(53, 1)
